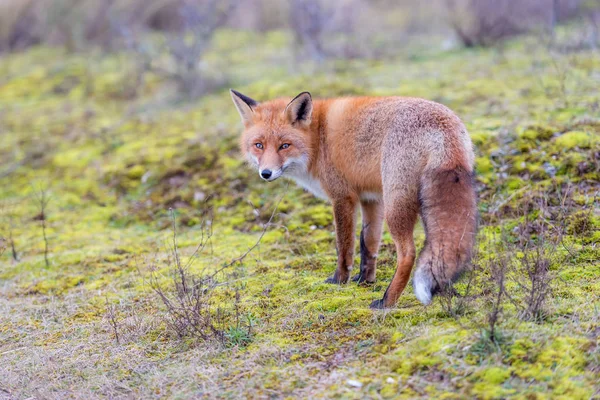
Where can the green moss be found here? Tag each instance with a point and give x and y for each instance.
(494, 375)
(480, 138)
(570, 140)
(488, 383)
(515, 183)
(537, 132)
(564, 352)
(389, 391)
(417, 363)
(570, 389)
(321, 215)
(483, 165)
(55, 286)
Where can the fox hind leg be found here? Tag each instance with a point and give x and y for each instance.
(370, 239)
(401, 216)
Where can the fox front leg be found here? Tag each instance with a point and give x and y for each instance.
(344, 213)
(370, 239)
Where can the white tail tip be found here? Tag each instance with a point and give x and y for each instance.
(422, 284)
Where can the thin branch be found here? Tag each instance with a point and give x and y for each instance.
(262, 234)
(43, 200)
(112, 319)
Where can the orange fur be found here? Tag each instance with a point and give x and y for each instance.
(396, 157)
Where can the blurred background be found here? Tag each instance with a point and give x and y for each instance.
(359, 27)
(314, 30)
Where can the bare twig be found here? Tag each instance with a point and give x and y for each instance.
(499, 276)
(43, 200)
(2, 246)
(111, 314)
(262, 234)
(11, 240)
(498, 206)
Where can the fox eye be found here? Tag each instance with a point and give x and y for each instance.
(284, 146)
(259, 146)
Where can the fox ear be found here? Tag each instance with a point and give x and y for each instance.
(300, 109)
(244, 105)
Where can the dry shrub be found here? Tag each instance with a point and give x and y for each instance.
(521, 266)
(499, 267)
(191, 309)
(112, 318)
(128, 321)
(533, 275)
(196, 303)
(494, 268)
(540, 242)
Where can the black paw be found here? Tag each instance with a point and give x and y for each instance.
(334, 280)
(377, 305)
(358, 278)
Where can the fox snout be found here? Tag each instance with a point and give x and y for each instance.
(269, 174)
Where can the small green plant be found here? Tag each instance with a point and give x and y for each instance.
(238, 336)
(488, 343)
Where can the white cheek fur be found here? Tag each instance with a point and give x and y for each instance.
(296, 164)
(252, 160)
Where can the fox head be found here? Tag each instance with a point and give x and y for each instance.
(276, 137)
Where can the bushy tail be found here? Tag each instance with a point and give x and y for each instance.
(449, 214)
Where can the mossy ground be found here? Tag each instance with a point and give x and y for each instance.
(115, 153)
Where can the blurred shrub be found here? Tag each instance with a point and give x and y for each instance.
(17, 25)
(348, 28)
(79, 24)
(308, 20)
(486, 22)
(179, 56)
(320, 28)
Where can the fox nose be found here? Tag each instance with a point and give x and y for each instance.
(266, 173)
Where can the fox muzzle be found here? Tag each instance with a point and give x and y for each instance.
(270, 174)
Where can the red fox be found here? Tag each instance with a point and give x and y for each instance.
(397, 157)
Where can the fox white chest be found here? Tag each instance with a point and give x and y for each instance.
(308, 182)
